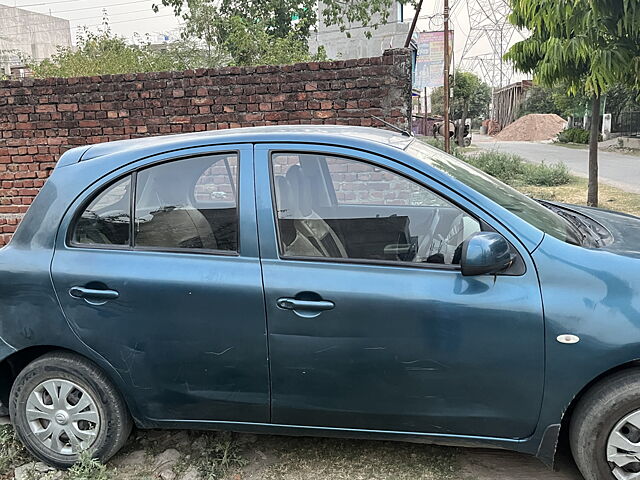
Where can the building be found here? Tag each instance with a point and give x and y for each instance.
(339, 46)
(30, 35)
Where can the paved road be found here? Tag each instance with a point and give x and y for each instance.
(616, 169)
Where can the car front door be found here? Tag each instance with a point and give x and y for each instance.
(371, 324)
(157, 270)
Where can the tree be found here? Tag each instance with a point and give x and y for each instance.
(478, 101)
(622, 98)
(104, 53)
(588, 45)
(281, 18)
(251, 32)
(539, 100)
(248, 43)
(543, 99)
(465, 86)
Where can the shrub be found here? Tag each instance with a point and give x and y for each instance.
(503, 166)
(512, 169)
(574, 135)
(12, 453)
(544, 175)
(88, 468)
(439, 143)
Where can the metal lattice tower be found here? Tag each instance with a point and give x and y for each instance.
(490, 28)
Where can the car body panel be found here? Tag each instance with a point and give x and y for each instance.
(187, 332)
(405, 336)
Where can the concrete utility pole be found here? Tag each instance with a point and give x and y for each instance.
(447, 138)
(407, 42)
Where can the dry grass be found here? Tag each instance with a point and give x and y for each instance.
(611, 198)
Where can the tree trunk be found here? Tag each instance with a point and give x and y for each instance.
(465, 112)
(592, 195)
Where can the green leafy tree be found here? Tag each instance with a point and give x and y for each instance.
(281, 18)
(471, 97)
(543, 99)
(104, 53)
(250, 32)
(248, 43)
(587, 45)
(465, 87)
(539, 100)
(622, 98)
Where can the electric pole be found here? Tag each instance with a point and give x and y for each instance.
(447, 138)
(407, 42)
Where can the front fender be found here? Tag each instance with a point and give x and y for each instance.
(595, 295)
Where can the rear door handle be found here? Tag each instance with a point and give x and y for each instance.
(93, 293)
(308, 305)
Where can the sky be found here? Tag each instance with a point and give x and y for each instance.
(128, 18)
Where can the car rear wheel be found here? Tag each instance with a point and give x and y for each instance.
(62, 404)
(605, 429)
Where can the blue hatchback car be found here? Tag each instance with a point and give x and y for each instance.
(317, 280)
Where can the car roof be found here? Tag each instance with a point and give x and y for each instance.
(326, 134)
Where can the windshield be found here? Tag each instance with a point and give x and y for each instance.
(505, 196)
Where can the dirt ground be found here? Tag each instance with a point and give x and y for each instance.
(188, 455)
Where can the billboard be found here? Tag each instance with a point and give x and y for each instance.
(430, 59)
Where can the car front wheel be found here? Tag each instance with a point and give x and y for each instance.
(62, 404)
(605, 429)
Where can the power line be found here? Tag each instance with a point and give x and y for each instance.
(105, 14)
(96, 25)
(46, 3)
(93, 8)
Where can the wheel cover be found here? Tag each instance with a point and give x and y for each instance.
(62, 416)
(623, 448)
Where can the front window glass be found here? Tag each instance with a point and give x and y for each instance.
(342, 208)
(505, 196)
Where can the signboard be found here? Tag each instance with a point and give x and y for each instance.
(430, 59)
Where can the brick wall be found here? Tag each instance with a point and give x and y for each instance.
(41, 118)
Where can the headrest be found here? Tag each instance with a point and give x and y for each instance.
(285, 200)
(300, 190)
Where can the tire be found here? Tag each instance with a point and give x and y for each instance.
(102, 426)
(602, 410)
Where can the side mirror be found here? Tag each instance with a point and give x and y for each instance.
(485, 253)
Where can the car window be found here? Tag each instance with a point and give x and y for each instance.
(359, 183)
(106, 221)
(342, 208)
(188, 204)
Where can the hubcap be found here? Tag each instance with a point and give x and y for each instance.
(63, 416)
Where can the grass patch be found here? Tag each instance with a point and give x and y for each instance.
(575, 192)
(546, 182)
(572, 146)
(509, 168)
(87, 468)
(12, 453)
(213, 454)
(513, 170)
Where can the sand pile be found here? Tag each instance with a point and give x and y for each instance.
(534, 127)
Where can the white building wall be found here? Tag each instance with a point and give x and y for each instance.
(30, 34)
(340, 47)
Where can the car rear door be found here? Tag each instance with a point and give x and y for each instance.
(173, 300)
(371, 324)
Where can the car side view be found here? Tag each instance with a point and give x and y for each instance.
(317, 280)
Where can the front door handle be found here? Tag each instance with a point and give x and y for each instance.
(308, 305)
(90, 294)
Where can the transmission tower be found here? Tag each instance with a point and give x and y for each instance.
(491, 33)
